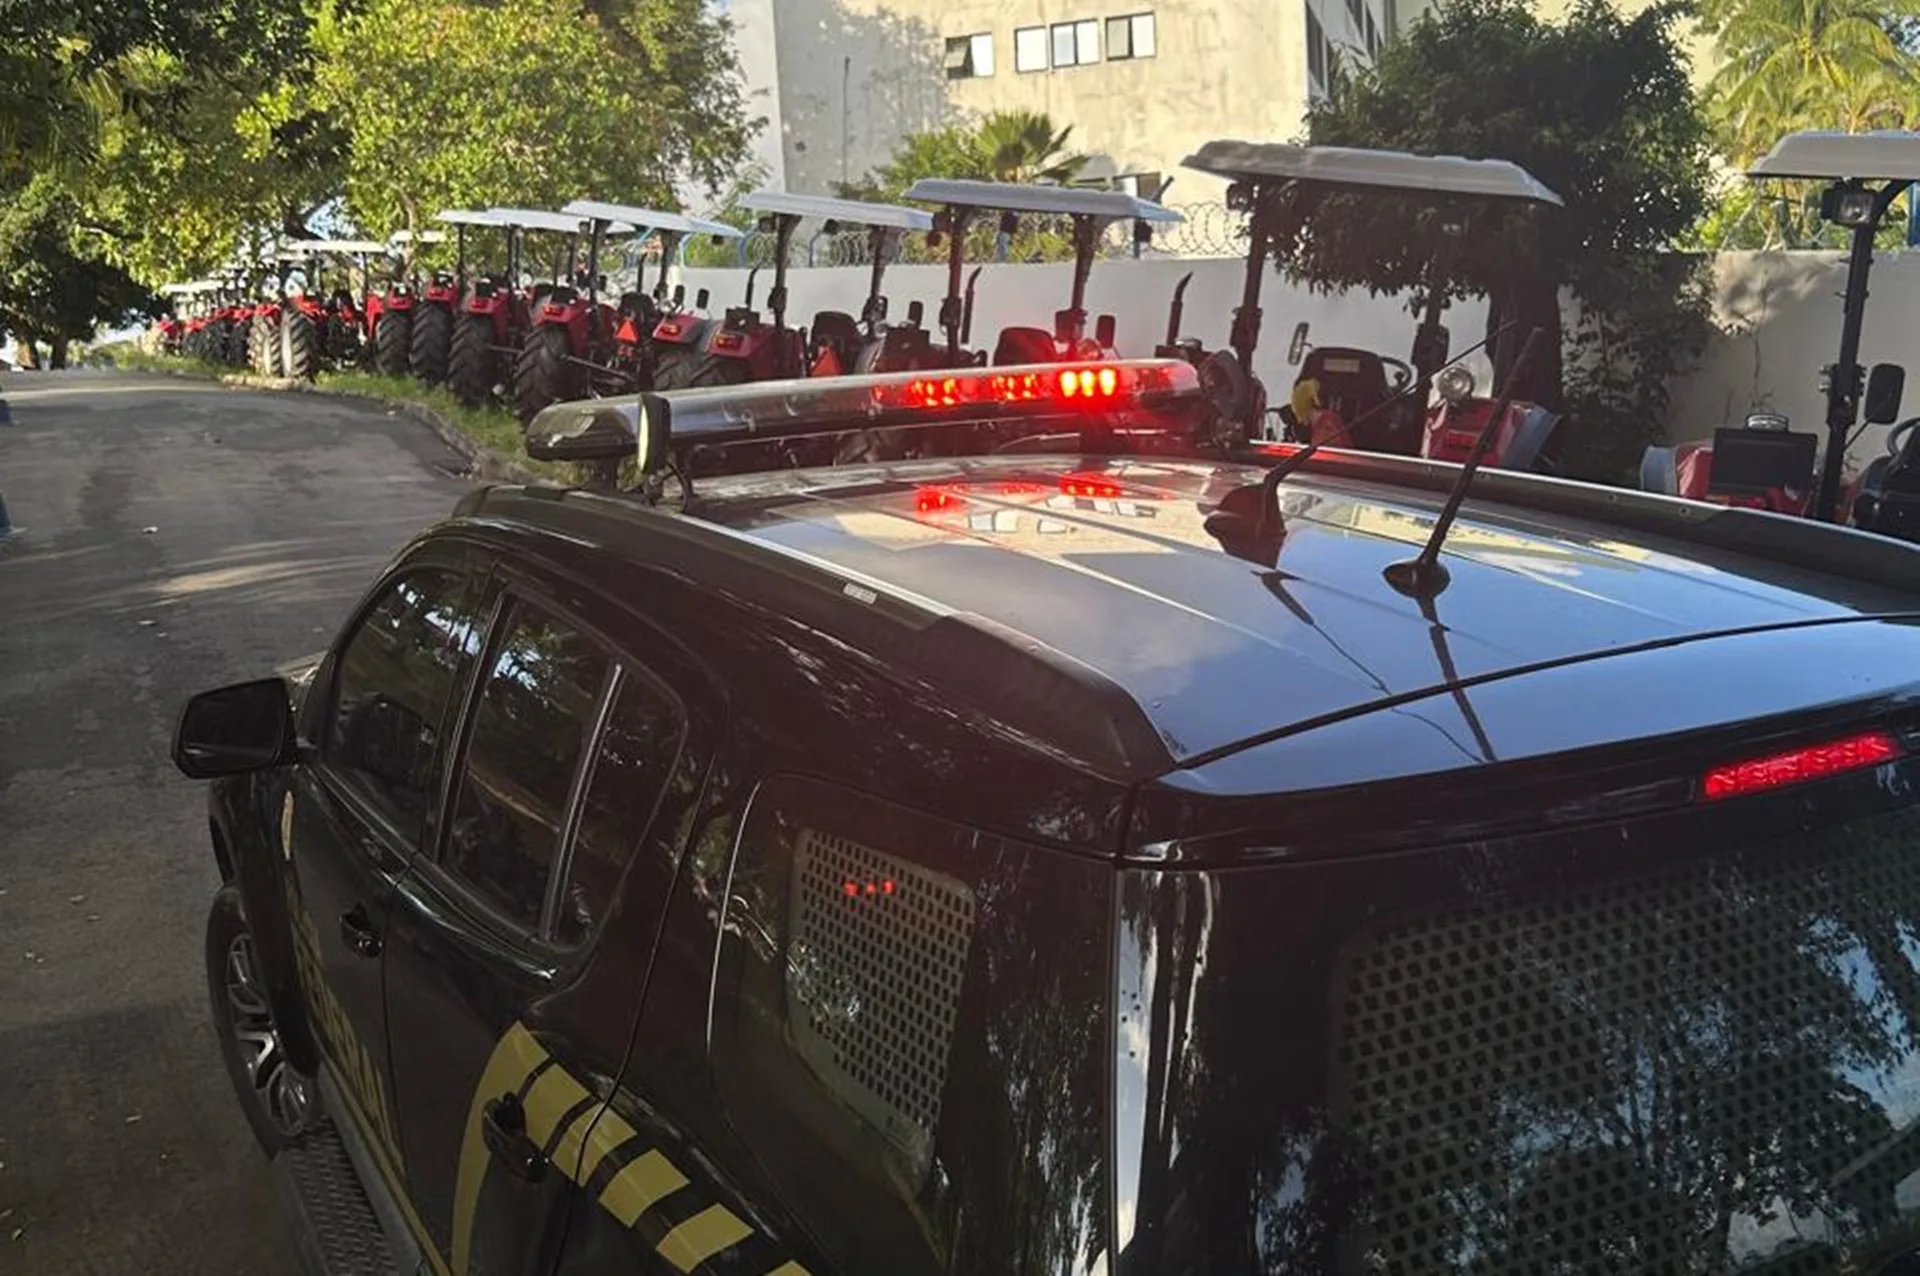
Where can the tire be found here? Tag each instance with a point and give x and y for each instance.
(391, 338)
(239, 335)
(432, 343)
(714, 370)
(470, 365)
(676, 368)
(542, 375)
(263, 346)
(299, 346)
(278, 1101)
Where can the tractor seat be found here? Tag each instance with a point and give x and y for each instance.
(1352, 382)
(1024, 345)
(837, 330)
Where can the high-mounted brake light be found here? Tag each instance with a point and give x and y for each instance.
(1797, 766)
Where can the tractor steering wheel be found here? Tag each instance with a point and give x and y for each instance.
(1402, 372)
(1897, 436)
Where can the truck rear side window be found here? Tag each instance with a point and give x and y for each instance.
(910, 1023)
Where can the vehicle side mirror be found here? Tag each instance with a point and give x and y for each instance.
(234, 730)
(1885, 384)
(701, 298)
(916, 312)
(1297, 348)
(1104, 330)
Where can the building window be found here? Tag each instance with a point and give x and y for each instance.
(1030, 49)
(1373, 36)
(1076, 43)
(969, 57)
(1316, 50)
(1131, 37)
(1357, 10)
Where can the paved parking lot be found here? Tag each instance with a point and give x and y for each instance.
(174, 535)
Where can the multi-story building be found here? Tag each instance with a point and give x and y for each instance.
(1142, 82)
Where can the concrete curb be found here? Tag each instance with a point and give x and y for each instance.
(484, 464)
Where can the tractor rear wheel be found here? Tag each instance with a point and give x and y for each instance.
(676, 368)
(715, 370)
(541, 373)
(238, 335)
(470, 365)
(432, 344)
(299, 346)
(391, 338)
(263, 346)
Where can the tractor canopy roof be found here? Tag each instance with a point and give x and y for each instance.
(1835, 156)
(892, 216)
(320, 247)
(1058, 201)
(646, 219)
(417, 237)
(1348, 166)
(563, 223)
(466, 217)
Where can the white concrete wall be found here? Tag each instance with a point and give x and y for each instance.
(1779, 314)
(1135, 292)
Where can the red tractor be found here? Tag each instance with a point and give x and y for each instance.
(654, 342)
(389, 314)
(435, 300)
(285, 339)
(1763, 464)
(498, 313)
(570, 335)
(1088, 212)
(1350, 396)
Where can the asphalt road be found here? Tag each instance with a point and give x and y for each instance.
(175, 535)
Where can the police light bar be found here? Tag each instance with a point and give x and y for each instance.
(656, 426)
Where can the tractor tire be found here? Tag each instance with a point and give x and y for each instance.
(299, 346)
(470, 365)
(714, 370)
(432, 344)
(675, 369)
(235, 351)
(391, 339)
(263, 346)
(542, 375)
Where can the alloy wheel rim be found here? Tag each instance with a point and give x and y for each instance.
(281, 1090)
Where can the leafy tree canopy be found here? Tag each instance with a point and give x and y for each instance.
(1599, 108)
(536, 102)
(56, 283)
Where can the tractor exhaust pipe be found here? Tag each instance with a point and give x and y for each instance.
(1177, 312)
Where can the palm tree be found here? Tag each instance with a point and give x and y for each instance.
(1798, 64)
(1024, 146)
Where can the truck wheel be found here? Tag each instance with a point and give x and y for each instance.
(279, 1102)
(432, 344)
(470, 364)
(391, 338)
(299, 346)
(263, 346)
(715, 370)
(541, 373)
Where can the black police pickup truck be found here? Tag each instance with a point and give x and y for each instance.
(1048, 838)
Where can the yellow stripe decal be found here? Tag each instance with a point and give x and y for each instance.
(552, 1096)
(641, 1184)
(702, 1236)
(789, 1269)
(609, 1132)
(516, 1055)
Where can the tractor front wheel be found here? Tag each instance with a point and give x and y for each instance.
(237, 344)
(392, 337)
(299, 346)
(263, 346)
(471, 363)
(676, 368)
(542, 373)
(432, 344)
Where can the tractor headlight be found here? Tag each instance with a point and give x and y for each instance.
(1455, 384)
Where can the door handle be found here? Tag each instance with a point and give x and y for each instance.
(356, 928)
(503, 1123)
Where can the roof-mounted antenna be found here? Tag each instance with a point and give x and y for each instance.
(1426, 576)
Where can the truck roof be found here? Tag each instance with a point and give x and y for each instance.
(1105, 566)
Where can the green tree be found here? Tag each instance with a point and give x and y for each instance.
(1599, 108)
(535, 102)
(56, 283)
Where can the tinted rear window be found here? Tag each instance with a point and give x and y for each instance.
(1694, 1048)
